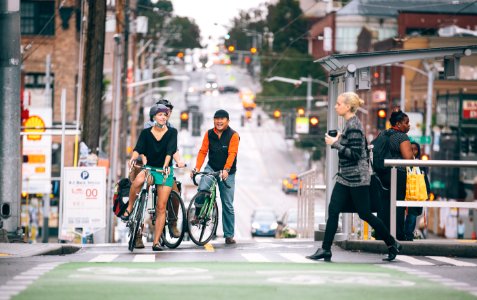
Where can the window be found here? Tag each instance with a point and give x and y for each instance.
(37, 17)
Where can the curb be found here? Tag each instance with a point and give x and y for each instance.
(468, 250)
(62, 250)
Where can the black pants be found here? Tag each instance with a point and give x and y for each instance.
(384, 214)
(360, 197)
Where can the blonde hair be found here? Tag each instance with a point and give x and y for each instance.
(352, 99)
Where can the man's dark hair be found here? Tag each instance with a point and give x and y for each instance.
(397, 116)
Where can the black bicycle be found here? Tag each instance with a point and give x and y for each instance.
(203, 213)
(174, 227)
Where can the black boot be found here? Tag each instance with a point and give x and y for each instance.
(393, 251)
(321, 253)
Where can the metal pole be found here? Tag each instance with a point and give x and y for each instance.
(46, 196)
(113, 150)
(10, 60)
(403, 93)
(308, 95)
(392, 213)
(62, 163)
(331, 156)
(430, 83)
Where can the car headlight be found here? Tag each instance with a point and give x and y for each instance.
(255, 225)
(273, 226)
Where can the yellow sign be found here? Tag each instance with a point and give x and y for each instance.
(34, 124)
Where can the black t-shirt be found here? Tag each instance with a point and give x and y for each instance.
(154, 150)
(395, 140)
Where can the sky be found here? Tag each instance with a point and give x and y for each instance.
(207, 12)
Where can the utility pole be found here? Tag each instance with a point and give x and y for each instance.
(93, 73)
(10, 60)
(124, 89)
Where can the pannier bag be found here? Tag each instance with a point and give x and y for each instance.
(121, 196)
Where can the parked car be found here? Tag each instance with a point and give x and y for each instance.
(290, 184)
(264, 222)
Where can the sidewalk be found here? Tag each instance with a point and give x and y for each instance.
(27, 250)
(427, 247)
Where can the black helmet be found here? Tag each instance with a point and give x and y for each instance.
(165, 102)
(157, 108)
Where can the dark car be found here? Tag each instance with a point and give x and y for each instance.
(288, 223)
(264, 222)
(228, 89)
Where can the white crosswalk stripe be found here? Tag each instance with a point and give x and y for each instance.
(452, 261)
(413, 261)
(255, 257)
(104, 258)
(296, 258)
(144, 258)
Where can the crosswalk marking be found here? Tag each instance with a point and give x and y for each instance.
(255, 257)
(144, 258)
(413, 261)
(452, 261)
(104, 258)
(296, 258)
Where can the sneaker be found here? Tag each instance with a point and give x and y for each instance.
(139, 244)
(230, 241)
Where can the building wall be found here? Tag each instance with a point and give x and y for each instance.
(317, 35)
(63, 47)
(434, 21)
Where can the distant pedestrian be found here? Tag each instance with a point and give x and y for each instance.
(414, 212)
(460, 229)
(400, 148)
(353, 178)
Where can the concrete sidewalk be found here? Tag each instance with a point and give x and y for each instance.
(27, 250)
(427, 247)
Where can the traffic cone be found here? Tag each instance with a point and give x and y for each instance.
(474, 235)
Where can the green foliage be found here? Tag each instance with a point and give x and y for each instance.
(188, 33)
(285, 20)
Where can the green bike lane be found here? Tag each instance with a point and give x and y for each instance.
(236, 280)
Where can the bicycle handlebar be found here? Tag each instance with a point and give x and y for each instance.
(214, 174)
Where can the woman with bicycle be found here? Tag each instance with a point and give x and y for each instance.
(155, 147)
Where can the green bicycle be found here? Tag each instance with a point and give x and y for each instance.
(203, 213)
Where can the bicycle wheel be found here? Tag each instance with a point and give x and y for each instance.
(175, 225)
(136, 221)
(202, 219)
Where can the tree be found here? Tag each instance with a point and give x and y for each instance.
(285, 20)
(187, 33)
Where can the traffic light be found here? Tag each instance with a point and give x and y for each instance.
(425, 157)
(247, 60)
(231, 48)
(381, 117)
(300, 111)
(277, 113)
(180, 54)
(185, 120)
(253, 50)
(314, 129)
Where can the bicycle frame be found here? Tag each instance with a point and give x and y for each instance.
(209, 201)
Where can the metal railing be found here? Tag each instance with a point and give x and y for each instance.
(393, 163)
(307, 194)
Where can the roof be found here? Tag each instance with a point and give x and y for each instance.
(391, 8)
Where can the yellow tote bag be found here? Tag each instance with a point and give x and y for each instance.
(415, 185)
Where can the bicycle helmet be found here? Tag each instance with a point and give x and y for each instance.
(165, 102)
(157, 108)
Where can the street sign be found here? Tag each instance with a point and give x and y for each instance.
(84, 197)
(438, 185)
(302, 125)
(422, 140)
(36, 165)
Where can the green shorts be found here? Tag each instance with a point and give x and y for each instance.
(159, 177)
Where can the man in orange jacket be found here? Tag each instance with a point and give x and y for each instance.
(221, 143)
